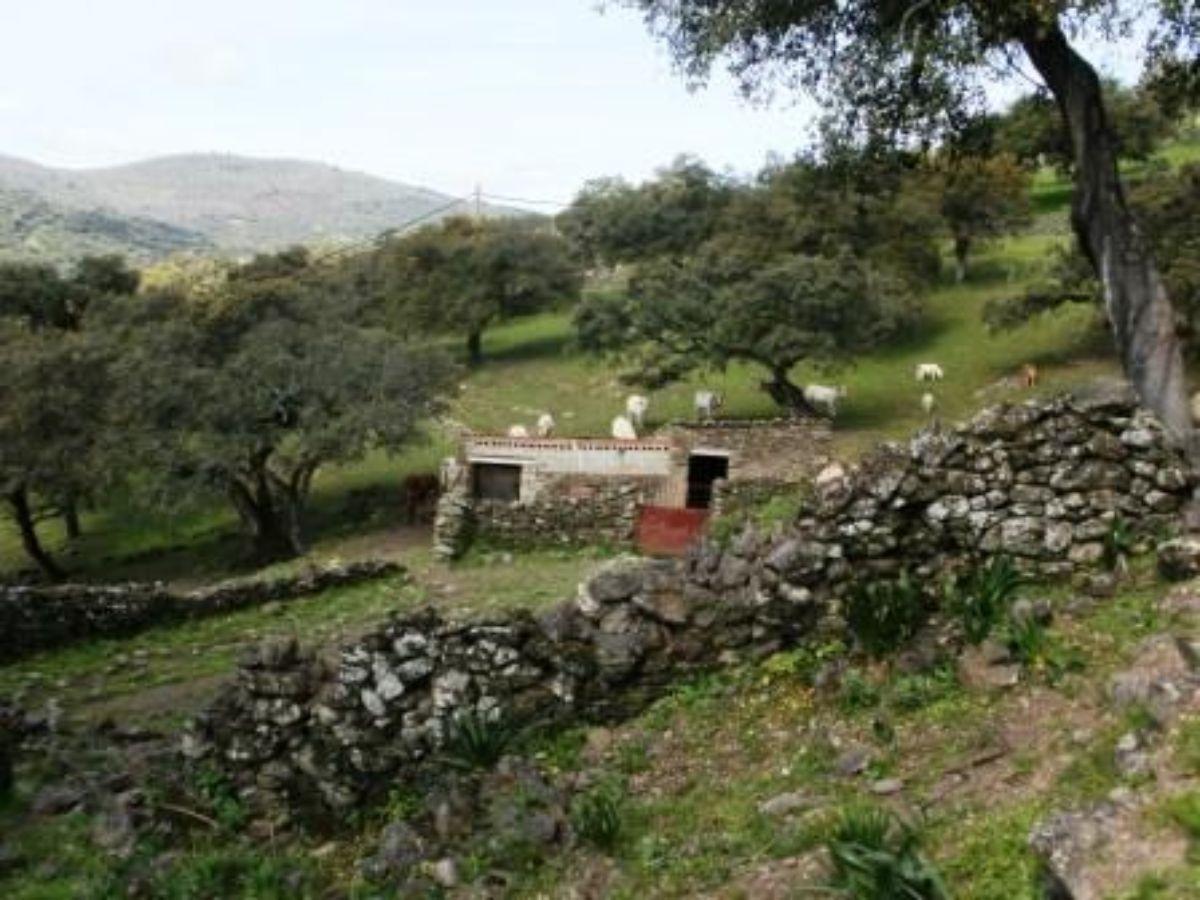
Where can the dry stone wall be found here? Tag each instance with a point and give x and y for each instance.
(1040, 481)
(302, 731)
(33, 619)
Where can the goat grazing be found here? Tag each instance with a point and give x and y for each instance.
(706, 404)
(928, 403)
(636, 406)
(929, 372)
(1028, 377)
(518, 431)
(820, 396)
(623, 430)
(546, 425)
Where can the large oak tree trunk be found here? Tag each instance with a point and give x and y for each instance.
(962, 251)
(787, 394)
(1143, 320)
(71, 520)
(475, 348)
(23, 515)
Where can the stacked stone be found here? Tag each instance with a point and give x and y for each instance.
(1041, 481)
(452, 524)
(296, 731)
(605, 516)
(33, 619)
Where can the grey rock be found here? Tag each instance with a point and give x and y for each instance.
(786, 804)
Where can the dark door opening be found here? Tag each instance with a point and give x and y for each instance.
(703, 470)
(496, 481)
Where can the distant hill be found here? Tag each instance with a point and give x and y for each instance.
(206, 202)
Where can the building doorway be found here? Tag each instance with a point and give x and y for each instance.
(497, 482)
(703, 470)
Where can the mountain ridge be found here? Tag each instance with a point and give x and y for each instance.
(207, 202)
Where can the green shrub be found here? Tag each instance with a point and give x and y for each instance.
(980, 597)
(596, 817)
(882, 615)
(876, 856)
(909, 693)
(1119, 544)
(858, 692)
(1026, 640)
(477, 741)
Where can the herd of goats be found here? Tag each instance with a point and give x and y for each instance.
(706, 404)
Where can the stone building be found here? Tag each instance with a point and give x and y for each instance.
(526, 491)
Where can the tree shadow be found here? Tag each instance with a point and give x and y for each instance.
(543, 347)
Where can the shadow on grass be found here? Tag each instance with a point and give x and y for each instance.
(540, 347)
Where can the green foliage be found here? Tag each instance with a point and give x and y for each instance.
(1187, 746)
(1031, 128)
(979, 597)
(876, 856)
(227, 872)
(882, 615)
(597, 818)
(1026, 639)
(477, 741)
(909, 693)
(802, 266)
(1167, 206)
(980, 197)
(462, 275)
(221, 798)
(1119, 544)
(613, 222)
(858, 692)
(248, 394)
(1184, 810)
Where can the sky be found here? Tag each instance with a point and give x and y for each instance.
(527, 98)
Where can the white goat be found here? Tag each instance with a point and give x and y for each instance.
(623, 430)
(706, 404)
(929, 372)
(824, 397)
(635, 408)
(518, 431)
(928, 403)
(546, 425)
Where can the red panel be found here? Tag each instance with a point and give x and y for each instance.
(668, 531)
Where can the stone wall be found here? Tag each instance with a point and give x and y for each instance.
(785, 450)
(1039, 481)
(33, 619)
(298, 731)
(568, 511)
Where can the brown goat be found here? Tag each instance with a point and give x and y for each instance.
(1028, 377)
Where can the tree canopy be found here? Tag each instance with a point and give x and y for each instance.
(807, 264)
(462, 275)
(250, 397)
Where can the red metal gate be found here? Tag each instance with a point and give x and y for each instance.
(669, 531)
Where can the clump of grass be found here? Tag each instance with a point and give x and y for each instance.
(1119, 544)
(596, 818)
(882, 615)
(874, 855)
(1026, 639)
(477, 741)
(909, 693)
(858, 692)
(979, 597)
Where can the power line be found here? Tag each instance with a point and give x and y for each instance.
(504, 199)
